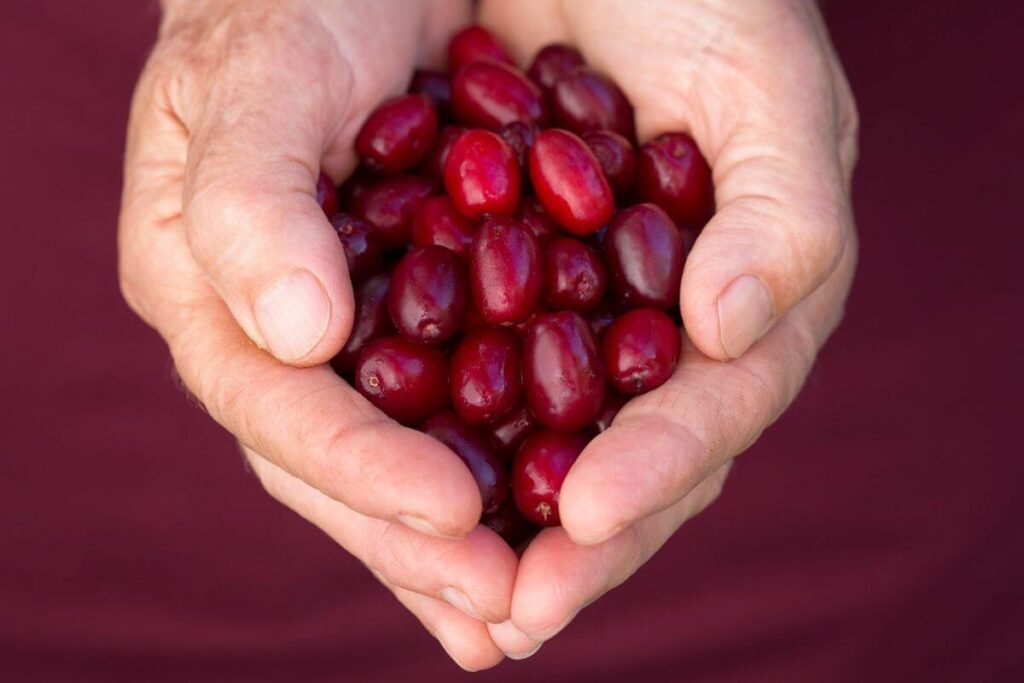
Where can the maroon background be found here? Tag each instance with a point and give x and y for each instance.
(876, 533)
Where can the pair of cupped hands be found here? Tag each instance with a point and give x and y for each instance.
(225, 251)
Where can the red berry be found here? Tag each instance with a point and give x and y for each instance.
(326, 194)
(473, 320)
(602, 316)
(437, 222)
(569, 182)
(434, 85)
(552, 62)
(574, 277)
(538, 471)
(472, 448)
(532, 215)
(482, 175)
(505, 271)
(397, 134)
(613, 403)
(388, 206)
(584, 100)
(563, 376)
(371, 321)
(672, 173)
(485, 376)
(407, 381)
(428, 294)
(357, 183)
(640, 350)
(519, 137)
(362, 252)
(473, 43)
(432, 165)
(490, 94)
(616, 157)
(510, 524)
(509, 431)
(644, 255)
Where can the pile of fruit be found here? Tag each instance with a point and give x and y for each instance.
(516, 260)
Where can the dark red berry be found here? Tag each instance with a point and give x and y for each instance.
(644, 255)
(552, 62)
(574, 277)
(585, 100)
(428, 294)
(432, 165)
(407, 381)
(563, 376)
(532, 215)
(569, 182)
(435, 86)
(473, 43)
(482, 175)
(473, 449)
(613, 403)
(689, 236)
(397, 134)
(362, 251)
(509, 431)
(473, 320)
(388, 206)
(357, 183)
(519, 137)
(437, 222)
(509, 523)
(371, 321)
(326, 194)
(485, 375)
(490, 94)
(616, 156)
(640, 350)
(538, 472)
(602, 316)
(506, 271)
(672, 173)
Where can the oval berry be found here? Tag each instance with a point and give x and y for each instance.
(509, 523)
(370, 321)
(533, 216)
(472, 448)
(437, 222)
(474, 43)
(433, 163)
(363, 253)
(485, 375)
(434, 85)
(326, 194)
(397, 134)
(519, 136)
(389, 205)
(482, 175)
(552, 62)
(616, 156)
(538, 472)
(584, 100)
(672, 173)
(574, 277)
(505, 271)
(613, 403)
(569, 182)
(428, 294)
(406, 381)
(563, 376)
(644, 254)
(641, 350)
(509, 431)
(491, 94)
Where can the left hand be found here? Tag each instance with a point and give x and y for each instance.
(760, 89)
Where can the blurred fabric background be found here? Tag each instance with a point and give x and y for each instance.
(875, 533)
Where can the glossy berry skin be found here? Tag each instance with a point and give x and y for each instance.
(505, 272)
(397, 134)
(432, 165)
(569, 182)
(552, 62)
(435, 86)
(407, 381)
(362, 251)
(585, 100)
(509, 431)
(509, 523)
(613, 403)
(371, 321)
(482, 175)
(485, 375)
(532, 215)
(641, 349)
(428, 294)
(672, 173)
(491, 94)
(473, 449)
(563, 375)
(474, 43)
(538, 472)
(389, 205)
(617, 159)
(519, 137)
(574, 277)
(326, 194)
(644, 255)
(437, 222)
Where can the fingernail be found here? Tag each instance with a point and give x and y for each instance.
(744, 314)
(457, 599)
(292, 313)
(523, 655)
(417, 523)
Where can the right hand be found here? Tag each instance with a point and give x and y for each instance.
(224, 250)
